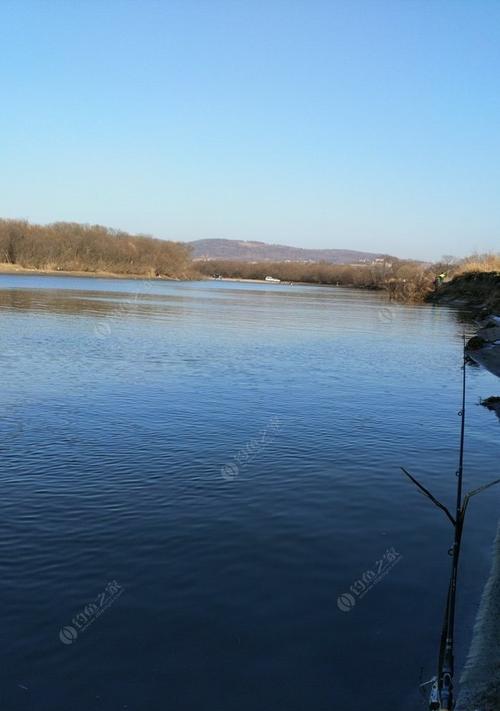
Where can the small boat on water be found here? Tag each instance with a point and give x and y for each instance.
(272, 279)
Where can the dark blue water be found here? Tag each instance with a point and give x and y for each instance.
(228, 454)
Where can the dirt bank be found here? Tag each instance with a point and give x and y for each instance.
(480, 682)
(484, 347)
(15, 269)
(478, 291)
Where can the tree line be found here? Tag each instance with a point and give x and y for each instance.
(64, 246)
(367, 276)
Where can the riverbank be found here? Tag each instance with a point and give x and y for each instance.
(479, 293)
(484, 347)
(15, 269)
(480, 680)
(194, 276)
(476, 291)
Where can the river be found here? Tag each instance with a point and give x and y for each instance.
(201, 503)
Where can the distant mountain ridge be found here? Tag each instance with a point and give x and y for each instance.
(210, 249)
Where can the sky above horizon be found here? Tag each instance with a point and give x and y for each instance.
(368, 125)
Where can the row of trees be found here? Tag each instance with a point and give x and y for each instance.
(74, 247)
(372, 276)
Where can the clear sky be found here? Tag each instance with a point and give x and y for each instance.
(368, 125)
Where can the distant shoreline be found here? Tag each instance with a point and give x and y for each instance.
(287, 282)
(13, 269)
(255, 281)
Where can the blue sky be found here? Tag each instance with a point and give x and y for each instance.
(368, 125)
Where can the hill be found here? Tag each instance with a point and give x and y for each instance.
(231, 249)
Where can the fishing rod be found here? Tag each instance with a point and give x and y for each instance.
(442, 690)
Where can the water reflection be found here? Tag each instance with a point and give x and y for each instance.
(80, 302)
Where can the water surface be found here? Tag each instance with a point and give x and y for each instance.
(228, 453)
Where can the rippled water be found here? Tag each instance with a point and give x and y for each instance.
(228, 454)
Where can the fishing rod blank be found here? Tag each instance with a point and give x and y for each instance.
(441, 695)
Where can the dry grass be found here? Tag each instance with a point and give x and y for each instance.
(478, 263)
(475, 283)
